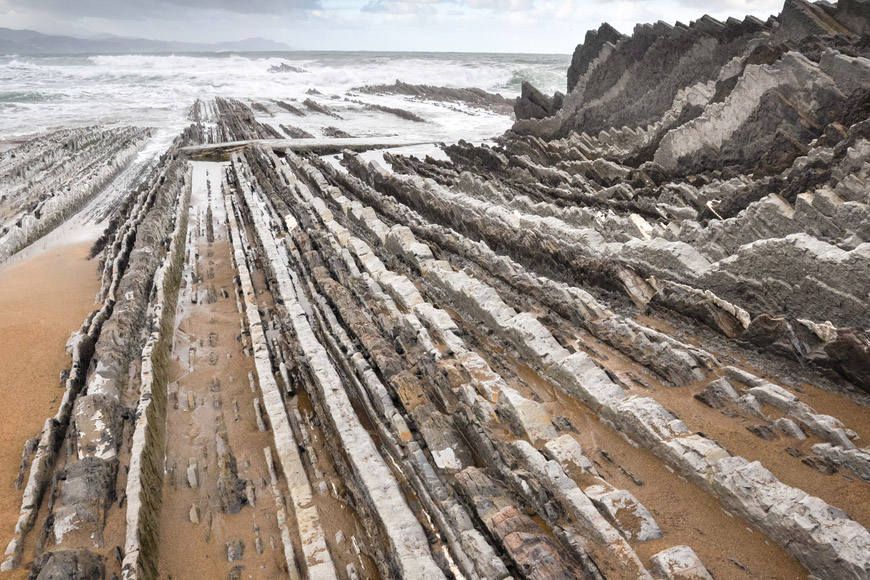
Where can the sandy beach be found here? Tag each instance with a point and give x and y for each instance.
(42, 301)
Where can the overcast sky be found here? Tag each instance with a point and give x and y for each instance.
(542, 26)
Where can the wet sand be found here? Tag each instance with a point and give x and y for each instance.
(42, 301)
(209, 393)
(222, 400)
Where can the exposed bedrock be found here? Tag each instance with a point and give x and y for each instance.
(628, 341)
(222, 120)
(586, 53)
(572, 247)
(316, 107)
(69, 564)
(533, 104)
(854, 15)
(50, 178)
(732, 190)
(296, 132)
(788, 101)
(642, 419)
(472, 97)
(805, 276)
(86, 444)
(401, 113)
(100, 414)
(751, 95)
(144, 487)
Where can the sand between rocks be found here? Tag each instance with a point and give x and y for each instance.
(42, 301)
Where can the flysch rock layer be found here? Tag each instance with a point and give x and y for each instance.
(629, 340)
(50, 178)
(317, 560)
(377, 485)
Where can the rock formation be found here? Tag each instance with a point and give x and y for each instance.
(630, 351)
(472, 97)
(285, 68)
(52, 177)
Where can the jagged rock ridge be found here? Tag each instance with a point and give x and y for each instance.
(587, 352)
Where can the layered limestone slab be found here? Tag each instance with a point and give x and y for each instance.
(406, 537)
(680, 563)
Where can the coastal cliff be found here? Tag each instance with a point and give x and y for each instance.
(628, 339)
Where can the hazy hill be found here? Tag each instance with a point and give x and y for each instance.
(32, 42)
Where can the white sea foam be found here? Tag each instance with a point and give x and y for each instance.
(41, 93)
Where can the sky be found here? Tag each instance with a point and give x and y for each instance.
(529, 26)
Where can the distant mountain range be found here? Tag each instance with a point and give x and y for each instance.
(32, 42)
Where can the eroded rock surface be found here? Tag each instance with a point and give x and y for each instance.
(470, 96)
(628, 341)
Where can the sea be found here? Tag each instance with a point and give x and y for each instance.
(43, 93)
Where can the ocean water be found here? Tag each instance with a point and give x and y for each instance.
(39, 93)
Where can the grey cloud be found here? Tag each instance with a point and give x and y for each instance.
(745, 5)
(427, 6)
(375, 6)
(156, 9)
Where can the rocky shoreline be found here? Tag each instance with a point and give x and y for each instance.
(627, 340)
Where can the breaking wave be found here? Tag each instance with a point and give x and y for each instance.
(157, 90)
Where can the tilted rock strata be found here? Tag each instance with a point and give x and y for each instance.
(51, 178)
(470, 96)
(709, 95)
(91, 416)
(505, 364)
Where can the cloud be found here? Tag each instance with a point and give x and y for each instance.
(156, 9)
(490, 25)
(401, 6)
(502, 5)
(736, 6)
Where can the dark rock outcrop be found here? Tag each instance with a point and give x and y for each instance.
(336, 133)
(585, 53)
(473, 97)
(533, 104)
(319, 108)
(759, 92)
(69, 565)
(296, 132)
(285, 68)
